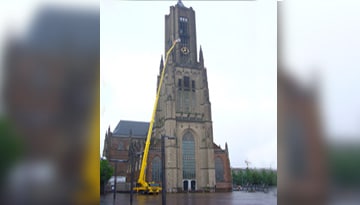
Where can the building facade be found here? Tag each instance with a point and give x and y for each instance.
(193, 161)
(303, 176)
(301, 148)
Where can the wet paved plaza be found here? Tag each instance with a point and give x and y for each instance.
(236, 197)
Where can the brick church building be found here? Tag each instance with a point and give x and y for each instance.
(193, 161)
(303, 176)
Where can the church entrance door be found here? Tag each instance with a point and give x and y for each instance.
(193, 185)
(186, 185)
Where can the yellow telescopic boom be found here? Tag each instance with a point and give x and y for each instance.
(144, 186)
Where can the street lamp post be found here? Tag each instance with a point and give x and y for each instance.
(132, 175)
(115, 184)
(132, 163)
(115, 181)
(163, 178)
(104, 189)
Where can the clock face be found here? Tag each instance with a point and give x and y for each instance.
(185, 50)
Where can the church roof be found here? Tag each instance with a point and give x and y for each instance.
(179, 3)
(137, 129)
(58, 30)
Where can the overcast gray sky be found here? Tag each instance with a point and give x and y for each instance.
(322, 38)
(238, 40)
(239, 44)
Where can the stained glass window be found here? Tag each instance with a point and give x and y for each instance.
(219, 169)
(188, 155)
(156, 169)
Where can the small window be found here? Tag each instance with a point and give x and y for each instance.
(183, 26)
(184, 41)
(183, 19)
(186, 83)
(193, 85)
(186, 101)
(179, 101)
(121, 146)
(179, 84)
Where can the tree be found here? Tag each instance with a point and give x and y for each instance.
(106, 171)
(248, 176)
(273, 177)
(237, 177)
(11, 148)
(264, 177)
(241, 177)
(255, 176)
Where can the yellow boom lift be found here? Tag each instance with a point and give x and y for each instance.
(142, 185)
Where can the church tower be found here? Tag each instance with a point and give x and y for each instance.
(184, 109)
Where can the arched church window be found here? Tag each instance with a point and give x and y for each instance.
(188, 156)
(156, 169)
(219, 169)
(295, 141)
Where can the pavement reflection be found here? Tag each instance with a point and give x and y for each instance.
(236, 197)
